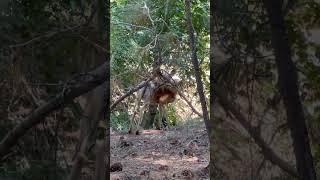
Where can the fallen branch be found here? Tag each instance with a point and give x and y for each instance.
(253, 132)
(131, 91)
(189, 103)
(96, 77)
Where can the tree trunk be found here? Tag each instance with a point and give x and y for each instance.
(288, 81)
(212, 95)
(100, 163)
(197, 72)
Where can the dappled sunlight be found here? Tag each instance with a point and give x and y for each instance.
(162, 153)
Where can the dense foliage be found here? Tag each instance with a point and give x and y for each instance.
(141, 30)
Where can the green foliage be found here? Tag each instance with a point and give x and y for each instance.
(120, 121)
(136, 42)
(172, 115)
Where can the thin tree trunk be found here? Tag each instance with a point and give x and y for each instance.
(80, 159)
(212, 95)
(94, 108)
(197, 72)
(288, 81)
(100, 163)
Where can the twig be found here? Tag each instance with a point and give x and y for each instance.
(133, 25)
(97, 46)
(148, 12)
(45, 35)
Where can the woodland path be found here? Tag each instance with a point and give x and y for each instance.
(178, 153)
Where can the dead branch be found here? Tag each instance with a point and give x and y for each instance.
(189, 103)
(131, 91)
(97, 77)
(253, 132)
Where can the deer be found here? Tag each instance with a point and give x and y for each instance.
(159, 91)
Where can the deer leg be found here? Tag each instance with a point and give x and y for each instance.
(133, 123)
(141, 113)
(164, 117)
(162, 121)
(161, 116)
(150, 112)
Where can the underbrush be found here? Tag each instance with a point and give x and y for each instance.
(119, 120)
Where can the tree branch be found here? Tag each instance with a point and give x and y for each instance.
(97, 77)
(183, 96)
(131, 91)
(48, 34)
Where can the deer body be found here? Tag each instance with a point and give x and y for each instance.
(158, 91)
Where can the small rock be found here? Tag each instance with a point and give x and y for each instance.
(188, 152)
(187, 173)
(145, 173)
(116, 167)
(174, 142)
(163, 168)
(124, 143)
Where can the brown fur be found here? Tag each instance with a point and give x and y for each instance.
(161, 93)
(164, 94)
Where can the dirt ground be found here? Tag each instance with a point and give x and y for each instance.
(178, 153)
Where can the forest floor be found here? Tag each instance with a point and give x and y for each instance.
(182, 152)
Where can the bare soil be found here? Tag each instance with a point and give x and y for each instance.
(177, 153)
